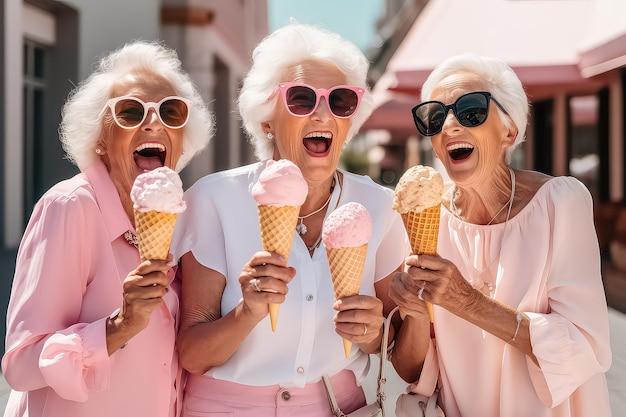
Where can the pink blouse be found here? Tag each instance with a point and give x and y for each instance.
(547, 265)
(68, 279)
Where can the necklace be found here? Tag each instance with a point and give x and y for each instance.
(478, 282)
(319, 238)
(301, 227)
(508, 203)
(455, 194)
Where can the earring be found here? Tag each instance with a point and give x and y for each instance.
(269, 135)
(98, 151)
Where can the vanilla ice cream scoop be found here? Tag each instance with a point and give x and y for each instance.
(419, 188)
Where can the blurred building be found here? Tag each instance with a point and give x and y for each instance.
(569, 54)
(47, 47)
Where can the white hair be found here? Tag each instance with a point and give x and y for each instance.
(282, 49)
(500, 80)
(82, 115)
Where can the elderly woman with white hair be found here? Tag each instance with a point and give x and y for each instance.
(304, 97)
(90, 327)
(520, 315)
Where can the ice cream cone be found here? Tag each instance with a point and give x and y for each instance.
(423, 230)
(346, 270)
(154, 233)
(277, 227)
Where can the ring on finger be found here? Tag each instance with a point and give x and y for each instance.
(364, 329)
(421, 291)
(255, 283)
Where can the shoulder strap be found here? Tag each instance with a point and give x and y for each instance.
(382, 378)
(382, 374)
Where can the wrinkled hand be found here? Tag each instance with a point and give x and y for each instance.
(264, 280)
(359, 318)
(403, 290)
(144, 289)
(440, 279)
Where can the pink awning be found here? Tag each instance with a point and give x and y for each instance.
(537, 38)
(553, 46)
(604, 46)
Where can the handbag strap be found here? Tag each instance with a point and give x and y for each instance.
(331, 397)
(382, 371)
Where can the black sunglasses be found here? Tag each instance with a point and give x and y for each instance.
(470, 110)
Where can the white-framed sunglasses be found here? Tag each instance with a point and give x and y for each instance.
(130, 112)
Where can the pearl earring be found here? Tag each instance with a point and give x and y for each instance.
(270, 135)
(98, 151)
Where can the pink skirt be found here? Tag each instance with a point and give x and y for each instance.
(208, 397)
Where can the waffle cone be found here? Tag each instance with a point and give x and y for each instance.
(423, 230)
(277, 227)
(346, 270)
(154, 233)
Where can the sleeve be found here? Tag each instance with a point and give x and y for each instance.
(199, 230)
(571, 342)
(394, 245)
(427, 382)
(45, 346)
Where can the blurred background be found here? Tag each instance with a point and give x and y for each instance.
(569, 54)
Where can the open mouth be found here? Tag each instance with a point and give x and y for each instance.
(149, 156)
(318, 142)
(460, 151)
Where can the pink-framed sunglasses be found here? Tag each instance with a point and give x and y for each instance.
(130, 112)
(302, 99)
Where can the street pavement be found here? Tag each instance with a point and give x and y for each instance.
(616, 376)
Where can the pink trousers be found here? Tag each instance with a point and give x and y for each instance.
(208, 397)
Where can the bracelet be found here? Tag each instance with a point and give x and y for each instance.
(519, 321)
(112, 317)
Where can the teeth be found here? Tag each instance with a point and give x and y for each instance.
(456, 146)
(150, 145)
(325, 135)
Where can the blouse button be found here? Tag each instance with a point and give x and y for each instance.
(300, 370)
(309, 297)
(286, 395)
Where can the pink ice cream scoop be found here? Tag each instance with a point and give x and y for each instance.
(347, 227)
(345, 233)
(158, 190)
(280, 184)
(280, 191)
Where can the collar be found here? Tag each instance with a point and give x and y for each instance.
(115, 218)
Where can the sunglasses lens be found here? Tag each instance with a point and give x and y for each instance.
(300, 100)
(429, 118)
(472, 109)
(174, 112)
(129, 112)
(343, 102)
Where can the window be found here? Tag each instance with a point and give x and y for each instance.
(34, 90)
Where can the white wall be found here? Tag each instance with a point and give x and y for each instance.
(108, 25)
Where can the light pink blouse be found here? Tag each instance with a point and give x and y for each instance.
(547, 266)
(68, 279)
